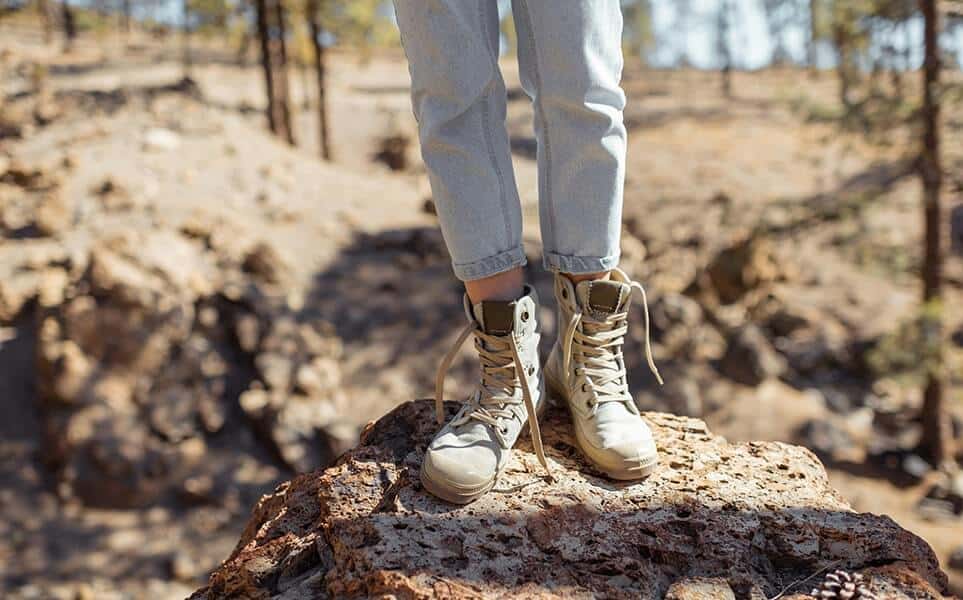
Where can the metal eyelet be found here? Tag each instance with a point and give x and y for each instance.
(531, 370)
(525, 317)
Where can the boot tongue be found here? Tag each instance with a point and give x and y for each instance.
(495, 317)
(602, 298)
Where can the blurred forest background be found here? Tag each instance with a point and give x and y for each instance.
(219, 257)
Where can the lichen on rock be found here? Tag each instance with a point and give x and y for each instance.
(730, 520)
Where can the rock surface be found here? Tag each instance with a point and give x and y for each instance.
(716, 520)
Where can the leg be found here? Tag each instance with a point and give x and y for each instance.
(571, 62)
(570, 58)
(458, 96)
(459, 100)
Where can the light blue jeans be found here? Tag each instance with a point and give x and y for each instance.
(570, 61)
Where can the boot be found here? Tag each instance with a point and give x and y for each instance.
(468, 453)
(586, 369)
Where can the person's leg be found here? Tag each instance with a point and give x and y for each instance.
(458, 97)
(570, 59)
(459, 100)
(502, 286)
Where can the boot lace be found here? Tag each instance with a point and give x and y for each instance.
(494, 400)
(595, 346)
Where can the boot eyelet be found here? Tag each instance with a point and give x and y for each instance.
(531, 370)
(565, 293)
(525, 317)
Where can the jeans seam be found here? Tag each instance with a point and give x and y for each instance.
(486, 128)
(540, 112)
(490, 265)
(556, 262)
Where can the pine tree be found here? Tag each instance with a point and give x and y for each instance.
(70, 26)
(724, 26)
(271, 31)
(937, 440)
(314, 28)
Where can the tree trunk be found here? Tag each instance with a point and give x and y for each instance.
(281, 72)
(70, 26)
(314, 27)
(43, 7)
(841, 39)
(186, 57)
(813, 36)
(274, 65)
(126, 21)
(937, 441)
(725, 52)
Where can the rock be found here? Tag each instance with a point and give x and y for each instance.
(183, 567)
(29, 177)
(700, 588)
(741, 268)
(11, 126)
(113, 195)
(633, 249)
(295, 406)
(749, 358)
(161, 140)
(130, 369)
(265, 262)
(318, 377)
(247, 328)
(16, 291)
(944, 499)
(55, 213)
(956, 559)
(47, 111)
(683, 397)
(678, 324)
(393, 151)
(753, 517)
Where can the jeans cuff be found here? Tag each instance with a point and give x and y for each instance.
(578, 265)
(492, 265)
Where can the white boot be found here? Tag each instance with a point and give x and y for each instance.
(466, 456)
(586, 369)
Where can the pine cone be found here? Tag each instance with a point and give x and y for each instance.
(843, 585)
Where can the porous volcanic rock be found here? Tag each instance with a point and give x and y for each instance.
(746, 520)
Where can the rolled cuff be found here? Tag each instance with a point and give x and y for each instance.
(492, 265)
(578, 265)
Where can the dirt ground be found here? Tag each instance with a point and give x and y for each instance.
(840, 214)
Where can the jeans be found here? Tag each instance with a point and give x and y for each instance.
(570, 62)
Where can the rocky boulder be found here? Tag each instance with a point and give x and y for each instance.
(752, 520)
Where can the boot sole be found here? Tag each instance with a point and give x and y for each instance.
(633, 473)
(468, 495)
